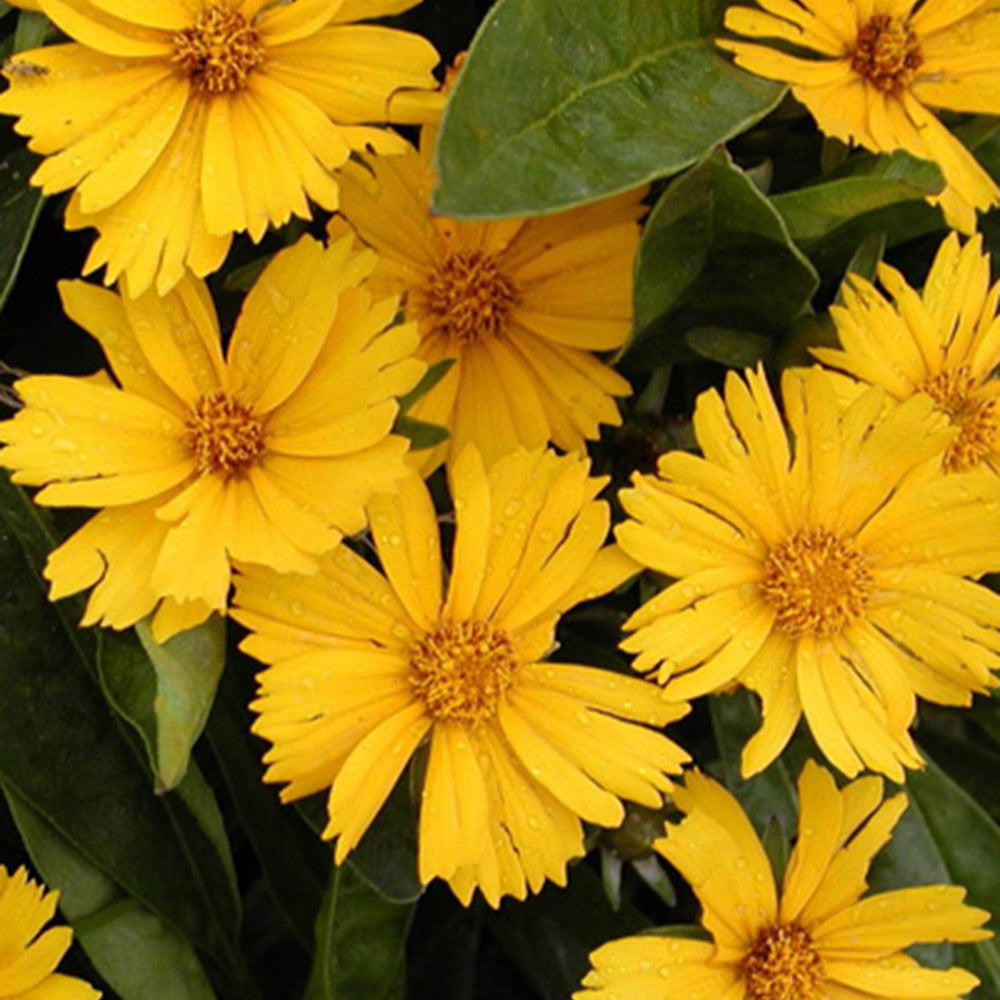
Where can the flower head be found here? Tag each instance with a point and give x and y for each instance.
(28, 956)
(230, 112)
(830, 577)
(944, 343)
(812, 939)
(518, 306)
(870, 69)
(368, 665)
(267, 455)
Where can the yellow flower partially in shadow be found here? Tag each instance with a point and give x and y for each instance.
(367, 665)
(267, 455)
(815, 938)
(943, 342)
(181, 122)
(29, 956)
(869, 70)
(826, 573)
(519, 306)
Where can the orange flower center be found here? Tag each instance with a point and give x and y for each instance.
(782, 965)
(219, 52)
(978, 420)
(462, 670)
(887, 53)
(469, 297)
(816, 582)
(223, 435)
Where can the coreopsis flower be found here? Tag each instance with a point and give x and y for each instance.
(944, 343)
(870, 70)
(267, 455)
(230, 112)
(829, 577)
(28, 956)
(368, 665)
(813, 938)
(519, 306)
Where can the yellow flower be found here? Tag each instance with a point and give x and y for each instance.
(816, 938)
(871, 69)
(518, 305)
(266, 456)
(181, 122)
(369, 665)
(27, 956)
(817, 575)
(944, 343)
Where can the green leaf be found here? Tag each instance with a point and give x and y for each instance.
(294, 861)
(430, 378)
(767, 796)
(386, 857)
(32, 27)
(946, 837)
(360, 942)
(714, 254)
(20, 205)
(734, 348)
(421, 434)
(606, 95)
(165, 691)
(137, 953)
(67, 756)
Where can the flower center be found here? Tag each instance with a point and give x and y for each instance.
(782, 965)
(462, 670)
(978, 420)
(816, 582)
(887, 53)
(469, 297)
(223, 435)
(219, 51)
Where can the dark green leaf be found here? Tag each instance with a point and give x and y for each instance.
(386, 857)
(607, 94)
(65, 754)
(295, 862)
(430, 378)
(714, 254)
(360, 942)
(138, 954)
(946, 837)
(20, 205)
(421, 434)
(768, 795)
(32, 27)
(165, 691)
(733, 348)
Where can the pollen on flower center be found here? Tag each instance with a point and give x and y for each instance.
(469, 297)
(219, 51)
(887, 53)
(816, 582)
(223, 435)
(462, 670)
(782, 965)
(978, 420)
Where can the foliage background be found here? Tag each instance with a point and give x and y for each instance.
(213, 889)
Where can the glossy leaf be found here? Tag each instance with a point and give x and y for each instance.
(65, 754)
(421, 434)
(946, 836)
(606, 95)
(714, 254)
(360, 942)
(137, 953)
(165, 691)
